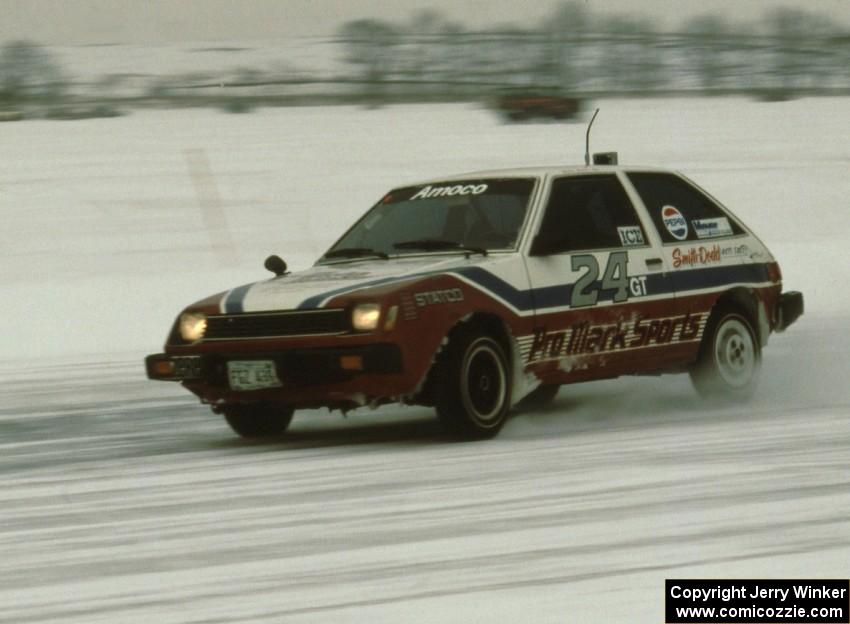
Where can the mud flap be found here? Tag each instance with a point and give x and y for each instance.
(788, 309)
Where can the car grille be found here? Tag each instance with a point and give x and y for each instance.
(276, 324)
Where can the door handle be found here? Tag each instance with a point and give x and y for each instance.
(653, 263)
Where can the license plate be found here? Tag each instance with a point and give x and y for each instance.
(252, 375)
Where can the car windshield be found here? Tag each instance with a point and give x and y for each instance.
(480, 215)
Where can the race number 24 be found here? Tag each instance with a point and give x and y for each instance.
(616, 278)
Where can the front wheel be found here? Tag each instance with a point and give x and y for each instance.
(474, 386)
(729, 359)
(258, 420)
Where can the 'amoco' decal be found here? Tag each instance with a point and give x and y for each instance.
(449, 191)
(674, 222)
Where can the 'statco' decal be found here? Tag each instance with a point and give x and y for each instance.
(449, 191)
(450, 295)
(584, 338)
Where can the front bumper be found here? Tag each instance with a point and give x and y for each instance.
(789, 308)
(295, 367)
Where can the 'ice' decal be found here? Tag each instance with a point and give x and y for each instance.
(674, 222)
(631, 235)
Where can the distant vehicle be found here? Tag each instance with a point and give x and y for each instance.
(472, 293)
(519, 107)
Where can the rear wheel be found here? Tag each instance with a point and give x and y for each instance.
(473, 385)
(729, 359)
(258, 420)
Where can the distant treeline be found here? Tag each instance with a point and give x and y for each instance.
(573, 53)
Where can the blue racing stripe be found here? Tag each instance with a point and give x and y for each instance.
(520, 299)
(560, 295)
(315, 300)
(696, 279)
(233, 303)
(556, 296)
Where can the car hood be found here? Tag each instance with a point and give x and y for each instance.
(314, 287)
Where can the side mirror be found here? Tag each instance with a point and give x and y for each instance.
(276, 265)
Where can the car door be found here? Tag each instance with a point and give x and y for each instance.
(599, 284)
(706, 248)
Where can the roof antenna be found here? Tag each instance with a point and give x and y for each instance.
(587, 140)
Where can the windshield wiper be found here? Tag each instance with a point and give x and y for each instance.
(435, 244)
(354, 252)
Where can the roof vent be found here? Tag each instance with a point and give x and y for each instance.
(605, 158)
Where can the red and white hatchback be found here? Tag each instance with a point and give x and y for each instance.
(472, 293)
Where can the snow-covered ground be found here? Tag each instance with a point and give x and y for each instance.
(123, 500)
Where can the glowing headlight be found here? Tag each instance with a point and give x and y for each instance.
(192, 326)
(365, 316)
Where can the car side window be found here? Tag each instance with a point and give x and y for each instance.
(680, 211)
(590, 212)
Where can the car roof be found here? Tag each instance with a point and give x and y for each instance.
(540, 171)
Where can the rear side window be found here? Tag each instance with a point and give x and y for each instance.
(591, 212)
(679, 211)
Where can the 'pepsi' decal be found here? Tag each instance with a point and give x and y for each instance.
(674, 222)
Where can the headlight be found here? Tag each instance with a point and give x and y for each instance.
(192, 326)
(365, 316)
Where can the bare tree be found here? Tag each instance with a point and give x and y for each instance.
(706, 45)
(425, 58)
(797, 55)
(564, 38)
(28, 75)
(369, 46)
(629, 54)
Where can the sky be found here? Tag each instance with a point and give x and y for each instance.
(85, 22)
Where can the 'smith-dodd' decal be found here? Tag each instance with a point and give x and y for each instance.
(696, 256)
(674, 222)
(584, 338)
(449, 191)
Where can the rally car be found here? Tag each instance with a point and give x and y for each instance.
(474, 293)
(522, 106)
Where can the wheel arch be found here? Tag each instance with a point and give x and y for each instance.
(737, 306)
(747, 302)
(488, 322)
